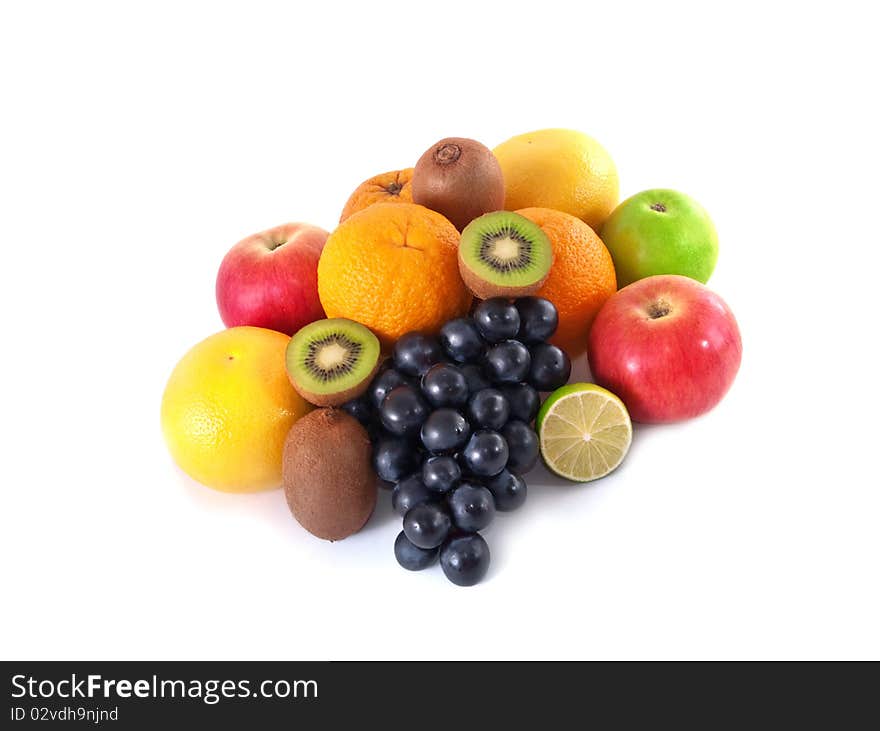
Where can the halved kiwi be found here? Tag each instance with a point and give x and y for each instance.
(504, 254)
(332, 361)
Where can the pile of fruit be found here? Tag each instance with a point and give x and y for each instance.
(410, 347)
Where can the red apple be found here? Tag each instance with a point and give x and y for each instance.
(270, 279)
(667, 345)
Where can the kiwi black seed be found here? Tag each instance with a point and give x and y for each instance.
(327, 473)
(504, 254)
(332, 361)
(459, 178)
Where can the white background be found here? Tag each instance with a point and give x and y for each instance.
(140, 141)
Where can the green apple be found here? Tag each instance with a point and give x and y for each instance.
(660, 232)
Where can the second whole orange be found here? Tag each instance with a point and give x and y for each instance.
(391, 187)
(581, 279)
(394, 268)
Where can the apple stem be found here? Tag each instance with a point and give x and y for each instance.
(658, 309)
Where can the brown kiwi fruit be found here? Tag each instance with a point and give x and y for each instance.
(332, 361)
(328, 475)
(460, 179)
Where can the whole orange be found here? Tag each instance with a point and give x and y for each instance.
(581, 279)
(394, 268)
(391, 187)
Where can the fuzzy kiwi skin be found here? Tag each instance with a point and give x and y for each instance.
(462, 188)
(334, 399)
(484, 289)
(327, 474)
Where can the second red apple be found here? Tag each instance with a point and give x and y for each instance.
(667, 345)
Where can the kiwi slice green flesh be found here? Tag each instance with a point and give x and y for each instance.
(504, 254)
(332, 361)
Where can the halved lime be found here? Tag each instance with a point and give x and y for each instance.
(584, 431)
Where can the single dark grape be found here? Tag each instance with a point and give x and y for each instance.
(488, 409)
(497, 319)
(522, 444)
(403, 411)
(486, 454)
(445, 431)
(465, 559)
(550, 367)
(524, 401)
(394, 458)
(440, 474)
(408, 493)
(410, 556)
(445, 385)
(507, 362)
(476, 379)
(508, 489)
(427, 525)
(538, 319)
(414, 353)
(461, 340)
(382, 385)
(360, 409)
(472, 507)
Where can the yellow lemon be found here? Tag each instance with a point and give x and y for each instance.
(561, 169)
(227, 409)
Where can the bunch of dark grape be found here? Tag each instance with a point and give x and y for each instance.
(451, 423)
